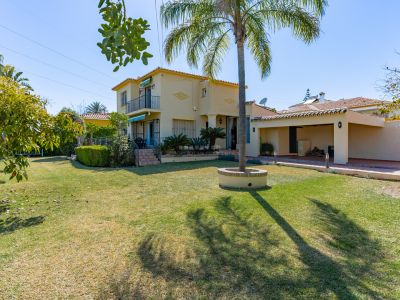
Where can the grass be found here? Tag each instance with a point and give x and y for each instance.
(170, 232)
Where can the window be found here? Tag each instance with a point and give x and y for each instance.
(124, 98)
(186, 127)
(203, 92)
(248, 130)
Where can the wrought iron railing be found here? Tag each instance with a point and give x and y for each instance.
(141, 102)
(144, 142)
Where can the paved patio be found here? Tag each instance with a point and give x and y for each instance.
(377, 169)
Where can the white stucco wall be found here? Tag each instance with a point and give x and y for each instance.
(279, 137)
(320, 136)
(375, 143)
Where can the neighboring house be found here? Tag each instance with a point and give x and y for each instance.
(256, 110)
(100, 119)
(347, 128)
(165, 102)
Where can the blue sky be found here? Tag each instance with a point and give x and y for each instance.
(359, 38)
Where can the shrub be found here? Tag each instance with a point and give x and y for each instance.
(211, 134)
(119, 121)
(176, 142)
(121, 152)
(162, 148)
(104, 131)
(93, 156)
(227, 157)
(266, 149)
(197, 143)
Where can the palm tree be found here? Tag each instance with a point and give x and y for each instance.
(10, 72)
(211, 134)
(205, 28)
(96, 108)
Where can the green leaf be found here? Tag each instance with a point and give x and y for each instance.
(101, 2)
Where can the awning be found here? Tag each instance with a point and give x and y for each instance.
(145, 82)
(137, 118)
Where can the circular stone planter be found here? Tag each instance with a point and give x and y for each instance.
(251, 179)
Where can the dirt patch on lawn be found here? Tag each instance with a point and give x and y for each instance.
(393, 191)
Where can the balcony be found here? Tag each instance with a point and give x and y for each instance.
(143, 102)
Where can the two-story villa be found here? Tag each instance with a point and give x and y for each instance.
(165, 102)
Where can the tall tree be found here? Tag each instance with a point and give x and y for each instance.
(308, 95)
(119, 121)
(206, 27)
(96, 108)
(391, 87)
(10, 72)
(68, 129)
(25, 127)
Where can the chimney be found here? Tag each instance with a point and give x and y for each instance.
(321, 97)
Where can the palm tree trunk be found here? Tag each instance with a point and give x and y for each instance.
(242, 107)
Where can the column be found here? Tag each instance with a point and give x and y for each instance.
(212, 121)
(341, 141)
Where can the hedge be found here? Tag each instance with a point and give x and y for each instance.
(104, 131)
(93, 156)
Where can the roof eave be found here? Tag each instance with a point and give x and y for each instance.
(302, 114)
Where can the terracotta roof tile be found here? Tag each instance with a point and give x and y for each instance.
(171, 71)
(311, 113)
(105, 116)
(347, 103)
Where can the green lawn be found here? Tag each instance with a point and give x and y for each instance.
(170, 232)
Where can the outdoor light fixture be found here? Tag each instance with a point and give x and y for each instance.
(339, 124)
(220, 121)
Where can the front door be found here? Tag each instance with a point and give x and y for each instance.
(231, 133)
(292, 139)
(151, 129)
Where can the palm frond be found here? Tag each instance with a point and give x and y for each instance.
(177, 12)
(10, 72)
(258, 44)
(215, 52)
(200, 40)
(288, 14)
(176, 41)
(317, 6)
(95, 108)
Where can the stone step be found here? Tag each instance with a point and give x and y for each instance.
(146, 157)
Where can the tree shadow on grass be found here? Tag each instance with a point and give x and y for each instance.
(233, 256)
(237, 255)
(11, 224)
(360, 254)
(325, 273)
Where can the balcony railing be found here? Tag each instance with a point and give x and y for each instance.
(152, 102)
